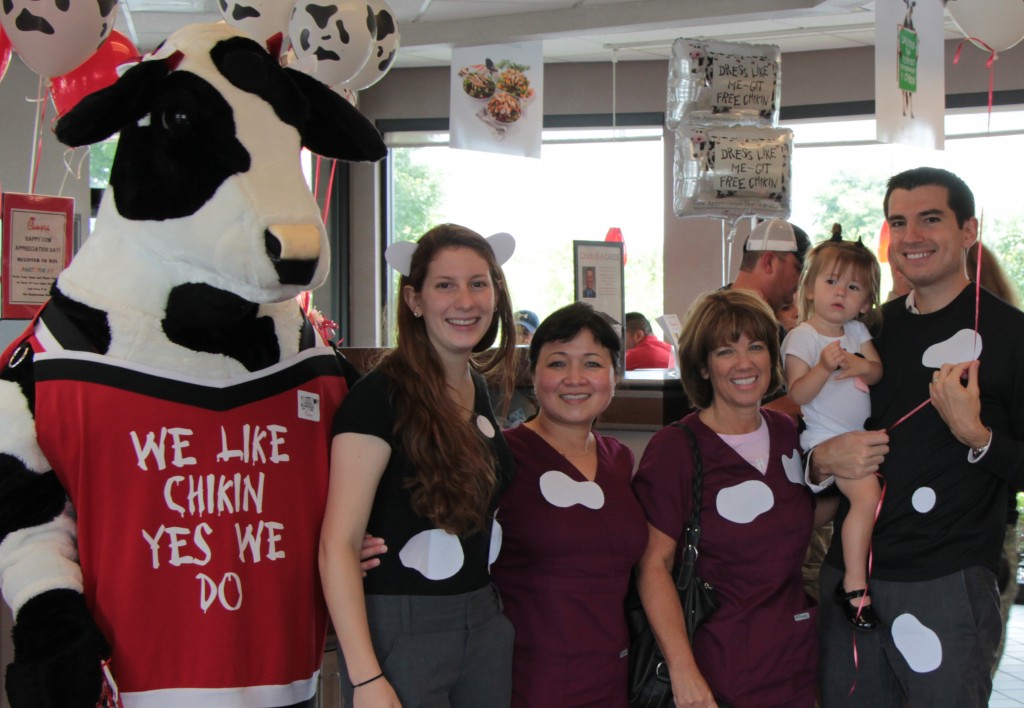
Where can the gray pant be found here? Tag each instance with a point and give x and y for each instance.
(935, 647)
(450, 651)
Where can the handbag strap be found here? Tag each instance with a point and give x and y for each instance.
(693, 525)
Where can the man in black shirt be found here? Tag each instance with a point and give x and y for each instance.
(947, 435)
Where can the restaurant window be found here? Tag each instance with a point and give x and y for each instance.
(588, 181)
(840, 172)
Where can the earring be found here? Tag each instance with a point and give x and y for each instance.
(416, 313)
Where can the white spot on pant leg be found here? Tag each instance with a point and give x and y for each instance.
(744, 502)
(923, 500)
(919, 645)
(562, 491)
(485, 426)
(435, 553)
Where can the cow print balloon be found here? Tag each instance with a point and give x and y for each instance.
(55, 36)
(385, 48)
(261, 19)
(339, 35)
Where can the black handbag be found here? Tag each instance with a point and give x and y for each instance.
(649, 682)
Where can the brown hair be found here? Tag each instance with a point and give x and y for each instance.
(838, 255)
(993, 277)
(717, 318)
(454, 470)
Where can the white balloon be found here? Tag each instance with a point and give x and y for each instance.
(261, 19)
(56, 36)
(385, 48)
(339, 34)
(997, 23)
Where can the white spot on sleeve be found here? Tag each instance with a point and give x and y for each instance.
(495, 549)
(744, 502)
(919, 645)
(485, 426)
(436, 554)
(794, 467)
(564, 492)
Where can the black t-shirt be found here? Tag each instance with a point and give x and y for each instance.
(942, 513)
(421, 559)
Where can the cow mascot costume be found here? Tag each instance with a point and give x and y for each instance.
(166, 418)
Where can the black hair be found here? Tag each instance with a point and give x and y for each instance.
(564, 324)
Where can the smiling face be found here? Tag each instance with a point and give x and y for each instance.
(456, 301)
(739, 372)
(837, 297)
(927, 244)
(574, 380)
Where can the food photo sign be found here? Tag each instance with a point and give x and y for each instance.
(497, 98)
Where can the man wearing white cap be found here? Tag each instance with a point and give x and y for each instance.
(773, 257)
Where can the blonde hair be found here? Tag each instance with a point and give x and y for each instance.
(837, 256)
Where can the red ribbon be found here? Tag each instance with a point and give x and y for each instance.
(993, 55)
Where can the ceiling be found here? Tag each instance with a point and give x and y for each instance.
(572, 30)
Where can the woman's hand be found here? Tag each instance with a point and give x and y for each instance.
(373, 546)
(691, 690)
(376, 694)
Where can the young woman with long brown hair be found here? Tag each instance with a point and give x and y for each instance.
(418, 458)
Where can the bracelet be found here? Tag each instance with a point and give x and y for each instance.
(370, 680)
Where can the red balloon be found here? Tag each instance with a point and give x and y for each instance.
(5, 53)
(97, 72)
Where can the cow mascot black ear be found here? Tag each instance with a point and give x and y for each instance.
(166, 419)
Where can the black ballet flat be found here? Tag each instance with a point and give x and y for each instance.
(860, 617)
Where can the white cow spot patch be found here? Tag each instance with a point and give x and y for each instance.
(923, 499)
(962, 346)
(496, 536)
(560, 490)
(794, 468)
(744, 502)
(485, 426)
(919, 645)
(436, 554)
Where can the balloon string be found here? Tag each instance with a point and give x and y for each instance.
(69, 156)
(316, 179)
(330, 186)
(977, 311)
(37, 137)
(989, 64)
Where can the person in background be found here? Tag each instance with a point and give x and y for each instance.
(643, 349)
(947, 466)
(788, 316)
(418, 459)
(995, 280)
(900, 285)
(571, 528)
(760, 647)
(773, 257)
(526, 325)
(830, 362)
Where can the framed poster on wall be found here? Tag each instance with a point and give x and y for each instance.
(38, 238)
(598, 276)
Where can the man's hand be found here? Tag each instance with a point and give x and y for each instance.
(959, 404)
(850, 455)
(373, 546)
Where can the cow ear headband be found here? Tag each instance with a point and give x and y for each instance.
(399, 254)
(837, 236)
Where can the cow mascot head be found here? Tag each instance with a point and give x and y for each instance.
(166, 417)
